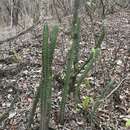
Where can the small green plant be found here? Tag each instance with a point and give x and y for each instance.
(127, 123)
(85, 102)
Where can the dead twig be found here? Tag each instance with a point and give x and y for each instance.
(115, 89)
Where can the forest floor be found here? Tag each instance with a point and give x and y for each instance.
(20, 72)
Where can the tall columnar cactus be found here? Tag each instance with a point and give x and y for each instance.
(72, 70)
(72, 60)
(53, 38)
(76, 48)
(45, 78)
(76, 40)
(46, 87)
(76, 32)
(66, 85)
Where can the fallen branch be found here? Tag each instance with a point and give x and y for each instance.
(115, 89)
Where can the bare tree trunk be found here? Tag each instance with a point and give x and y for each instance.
(15, 12)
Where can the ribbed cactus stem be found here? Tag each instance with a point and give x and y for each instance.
(46, 87)
(76, 31)
(76, 48)
(76, 40)
(72, 60)
(53, 38)
(66, 85)
(45, 76)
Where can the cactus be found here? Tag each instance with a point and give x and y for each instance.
(46, 87)
(45, 78)
(72, 60)
(35, 101)
(76, 39)
(53, 38)
(66, 85)
(76, 34)
(71, 69)
(88, 67)
(70, 81)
